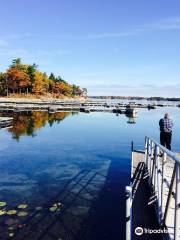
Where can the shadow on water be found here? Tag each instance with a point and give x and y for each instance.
(85, 212)
(91, 204)
(106, 218)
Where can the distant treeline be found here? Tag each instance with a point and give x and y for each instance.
(136, 98)
(22, 78)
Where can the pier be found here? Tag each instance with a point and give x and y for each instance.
(5, 122)
(53, 105)
(153, 197)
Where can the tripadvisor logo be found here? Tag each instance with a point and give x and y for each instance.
(139, 231)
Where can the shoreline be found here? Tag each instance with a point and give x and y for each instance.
(40, 100)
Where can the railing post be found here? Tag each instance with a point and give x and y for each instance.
(132, 159)
(155, 169)
(162, 185)
(128, 212)
(150, 162)
(163, 178)
(177, 204)
(159, 183)
(146, 151)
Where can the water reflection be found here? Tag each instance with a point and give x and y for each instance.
(27, 123)
(131, 118)
(40, 173)
(76, 164)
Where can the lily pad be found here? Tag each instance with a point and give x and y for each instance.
(22, 214)
(10, 228)
(22, 206)
(11, 234)
(2, 204)
(53, 209)
(11, 212)
(57, 204)
(2, 212)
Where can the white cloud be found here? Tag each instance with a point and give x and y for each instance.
(172, 23)
(167, 24)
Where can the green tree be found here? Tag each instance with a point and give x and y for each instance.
(52, 77)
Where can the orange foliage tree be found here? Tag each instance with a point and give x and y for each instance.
(25, 78)
(17, 80)
(40, 84)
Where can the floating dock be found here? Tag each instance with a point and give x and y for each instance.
(153, 197)
(60, 105)
(5, 122)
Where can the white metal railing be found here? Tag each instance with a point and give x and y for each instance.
(128, 192)
(163, 167)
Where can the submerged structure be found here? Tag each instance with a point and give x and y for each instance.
(153, 197)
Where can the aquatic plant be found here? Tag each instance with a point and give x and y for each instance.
(2, 212)
(22, 214)
(22, 206)
(11, 212)
(11, 234)
(2, 204)
(55, 207)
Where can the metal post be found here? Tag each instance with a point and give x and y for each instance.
(155, 168)
(146, 151)
(162, 185)
(128, 212)
(177, 204)
(132, 146)
(150, 160)
(132, 160)
(159, 183)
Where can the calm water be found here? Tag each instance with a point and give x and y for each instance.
(70, 170)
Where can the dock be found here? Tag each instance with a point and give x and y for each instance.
(5, 122)
(53, 105)
(153, 197)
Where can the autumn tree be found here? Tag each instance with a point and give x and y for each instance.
(17, 80)
(40, 84)
(21, 78)
(3, 87)
(76, 91)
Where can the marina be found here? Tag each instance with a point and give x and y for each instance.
(89, 120)
(84, 106)
(82, 162)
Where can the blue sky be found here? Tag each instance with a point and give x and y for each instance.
(111, 47)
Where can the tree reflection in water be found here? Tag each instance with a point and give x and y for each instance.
(27, 123)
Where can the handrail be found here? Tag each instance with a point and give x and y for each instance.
(167, 198)
(169, 153)
(162, 169)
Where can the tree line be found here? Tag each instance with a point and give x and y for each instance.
(27, 79)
